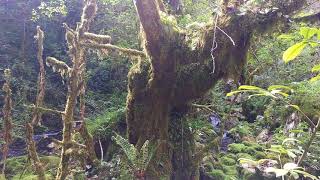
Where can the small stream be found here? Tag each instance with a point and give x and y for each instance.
(215, 121)
(19, 147)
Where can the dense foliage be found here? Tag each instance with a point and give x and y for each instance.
(263, 125)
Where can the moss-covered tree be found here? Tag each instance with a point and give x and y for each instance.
(180, 68)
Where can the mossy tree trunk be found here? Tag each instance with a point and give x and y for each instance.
(179, 70)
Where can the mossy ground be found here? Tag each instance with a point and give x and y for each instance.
(20, 167)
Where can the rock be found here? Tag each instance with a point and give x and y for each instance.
(264, 136)
(291, 123)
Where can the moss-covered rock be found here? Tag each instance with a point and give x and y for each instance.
(237, 148)
(31, 177)
(19, 166)
(244, 155)
(230, 170)
(217, 174)
(15, 165)
(228, 161)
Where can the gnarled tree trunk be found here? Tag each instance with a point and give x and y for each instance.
(179, 70)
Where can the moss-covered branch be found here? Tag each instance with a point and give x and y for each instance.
(7, 117)
(129, 52)
(32, 151)
(58, 66)
(36, 116)
(97, 38)
(45, 110)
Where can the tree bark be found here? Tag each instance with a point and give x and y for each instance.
(177, 72)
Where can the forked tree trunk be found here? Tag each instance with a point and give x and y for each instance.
(178, 71)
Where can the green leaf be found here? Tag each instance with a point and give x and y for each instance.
(317, 78)
(308, 32)
(289, 140)
(314, 44)
(248, 161)
(293, 51)
(277, 91)
(233, 93)
(291, 154)
(294, 175)
(278, 172)
(290, 166)
(260, 94)
(284, 36)
(246, 87)
(236, 92)
(295, 106)
(129, 149)
(296, 131)
(316, 68)
(305, 174)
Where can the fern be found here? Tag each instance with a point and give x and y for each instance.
(129, 149)
(138, 160)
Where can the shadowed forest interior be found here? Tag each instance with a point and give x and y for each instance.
(160, 89)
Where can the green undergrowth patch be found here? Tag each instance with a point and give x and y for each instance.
(21, 168)
(104, 124)
(227, 167)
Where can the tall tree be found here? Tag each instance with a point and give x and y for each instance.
(180, 68)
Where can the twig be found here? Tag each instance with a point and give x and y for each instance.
(207, 107)
(43, 109)
(101, 150)
(306, 148)
(233, 43)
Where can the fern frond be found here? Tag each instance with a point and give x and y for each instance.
(129, 149)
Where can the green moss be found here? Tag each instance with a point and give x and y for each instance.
(15, 165)
(50, 162)
(79, 176)
(250, 150)
(30, 177)
(217, 174)
(230, 155)
(2, 177)
(244, 155)
(260, 155)
(208, 166)
(230, 170)
(247, 175)
(228, 161)
(104, 124)
(218, 165)
(237, 148)
(243, 129)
